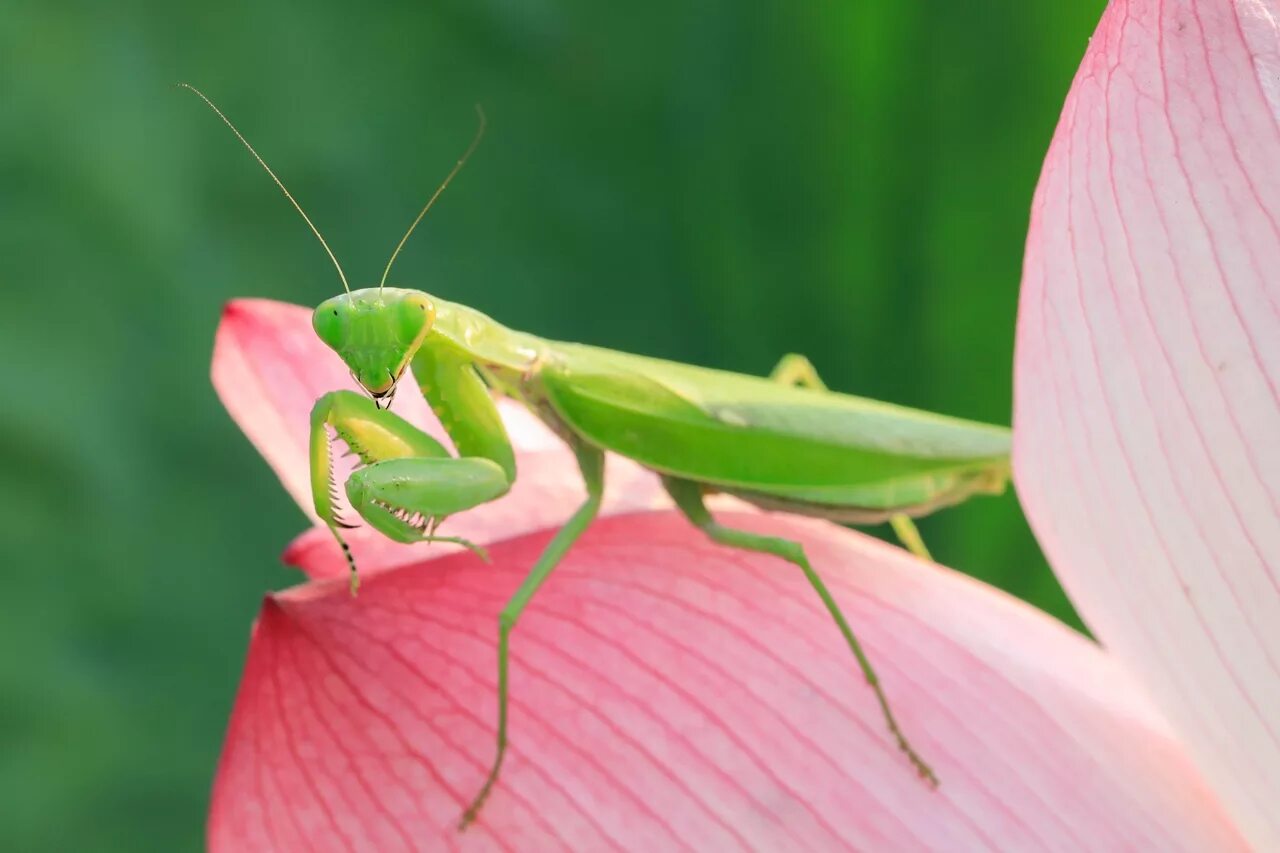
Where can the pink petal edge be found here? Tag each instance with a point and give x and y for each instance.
(668, 693)
(1147, 420)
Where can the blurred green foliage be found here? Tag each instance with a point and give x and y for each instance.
(717, 182)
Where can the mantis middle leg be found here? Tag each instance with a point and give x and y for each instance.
(591, 462)
(795, 369)
(688, 497)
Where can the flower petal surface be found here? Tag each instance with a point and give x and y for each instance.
(668, 693)
(1147, 419)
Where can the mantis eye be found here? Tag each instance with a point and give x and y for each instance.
(415, 317)
(332, 325)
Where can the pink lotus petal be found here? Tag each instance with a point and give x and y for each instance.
(1147, 423)
(672, 694)
(269, 368)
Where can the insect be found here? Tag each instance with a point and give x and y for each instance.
(784, 443)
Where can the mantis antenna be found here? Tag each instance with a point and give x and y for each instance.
(292, 201)
(456, 169)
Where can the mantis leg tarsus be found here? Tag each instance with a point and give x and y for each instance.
(353, 583)
(688, 497)
(478, 550)
(591, 461)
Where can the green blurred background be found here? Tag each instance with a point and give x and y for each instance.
(717, 182)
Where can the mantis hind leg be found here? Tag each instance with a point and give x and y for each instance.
(688, 497)
(795, 369)
(591, 462)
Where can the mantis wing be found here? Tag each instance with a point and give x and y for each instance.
(781, 446)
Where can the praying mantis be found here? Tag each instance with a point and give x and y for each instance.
(783, 443)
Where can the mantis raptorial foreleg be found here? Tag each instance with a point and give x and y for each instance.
(410, 483)
(795, 369)
(688, 497)
(591, 462)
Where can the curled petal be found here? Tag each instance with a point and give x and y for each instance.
(1147, 421)
(668, 693)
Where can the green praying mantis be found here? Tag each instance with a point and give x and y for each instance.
(783, 443)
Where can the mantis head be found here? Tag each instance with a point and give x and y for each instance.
(376, 331)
